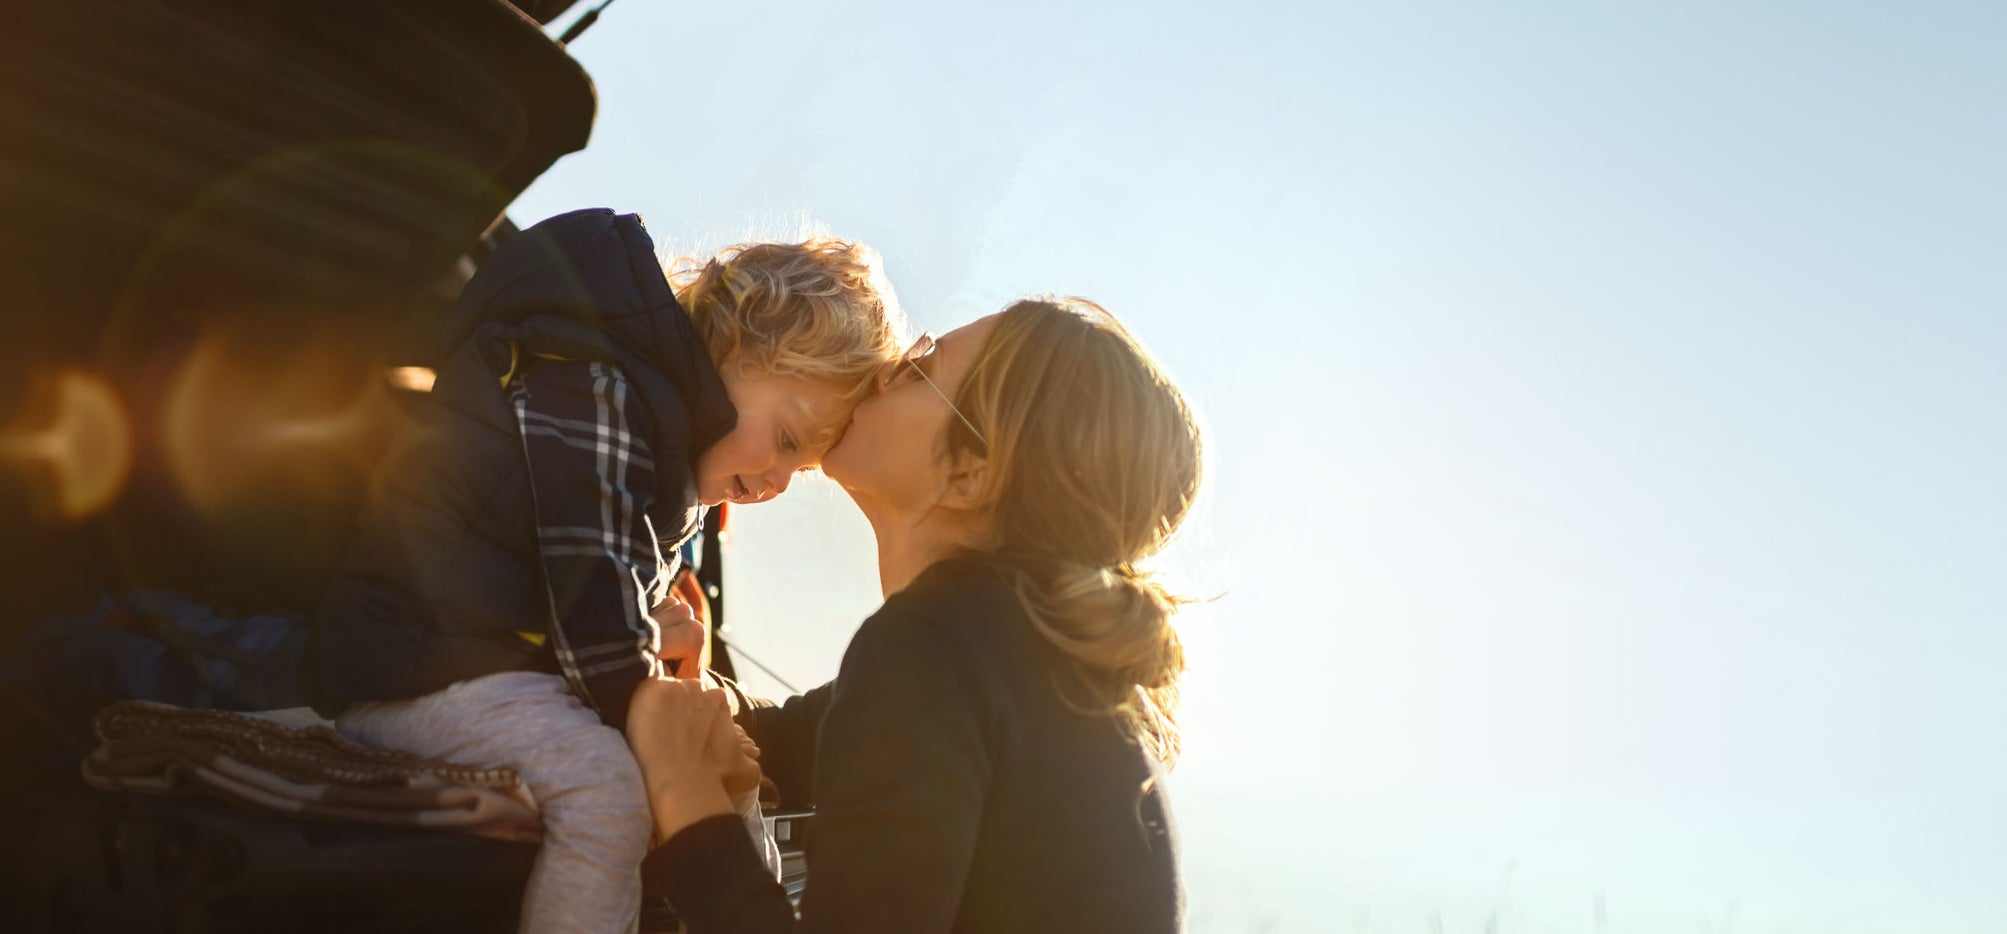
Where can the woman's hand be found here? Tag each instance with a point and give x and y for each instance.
(694, 760)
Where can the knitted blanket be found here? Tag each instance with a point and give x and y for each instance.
(307, 772)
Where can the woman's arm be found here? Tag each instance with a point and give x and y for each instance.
(786, 734)
(904, 766)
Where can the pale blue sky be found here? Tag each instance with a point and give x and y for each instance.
(1606, 404)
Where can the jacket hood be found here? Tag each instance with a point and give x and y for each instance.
(587, 285)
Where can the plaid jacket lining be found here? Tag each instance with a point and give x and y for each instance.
(593, 481)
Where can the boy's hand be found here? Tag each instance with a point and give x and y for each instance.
(683, 637)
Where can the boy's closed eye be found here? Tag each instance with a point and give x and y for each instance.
(782, 423)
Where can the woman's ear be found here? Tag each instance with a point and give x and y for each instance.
(965, 483)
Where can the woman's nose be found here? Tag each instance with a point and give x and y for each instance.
(777, 481)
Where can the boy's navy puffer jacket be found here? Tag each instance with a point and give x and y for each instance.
(443, 571)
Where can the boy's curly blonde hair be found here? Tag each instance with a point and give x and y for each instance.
(819, 309)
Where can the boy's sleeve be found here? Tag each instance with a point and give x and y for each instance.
(593, 481)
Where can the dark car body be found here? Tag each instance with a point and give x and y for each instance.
(279, 185)
(231, 221)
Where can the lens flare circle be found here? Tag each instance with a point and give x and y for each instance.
(240, 410)
(86, 446)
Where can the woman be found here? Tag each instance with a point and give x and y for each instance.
(989, 752)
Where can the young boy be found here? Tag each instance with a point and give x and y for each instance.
(507, 588)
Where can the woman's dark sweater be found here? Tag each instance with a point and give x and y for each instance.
(959, 784)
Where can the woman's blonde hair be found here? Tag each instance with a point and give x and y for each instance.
(1092, 461)
(819, 309)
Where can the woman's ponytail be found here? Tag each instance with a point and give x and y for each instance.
(1115, 625)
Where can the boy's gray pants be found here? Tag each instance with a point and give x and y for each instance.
(587, 875)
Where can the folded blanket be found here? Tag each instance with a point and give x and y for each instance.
(309, 772)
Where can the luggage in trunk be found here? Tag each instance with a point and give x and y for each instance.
(132, 863)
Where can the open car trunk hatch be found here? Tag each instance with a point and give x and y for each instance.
(181, 157)
(210, 203)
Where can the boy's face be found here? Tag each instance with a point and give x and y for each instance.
(785, 425)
